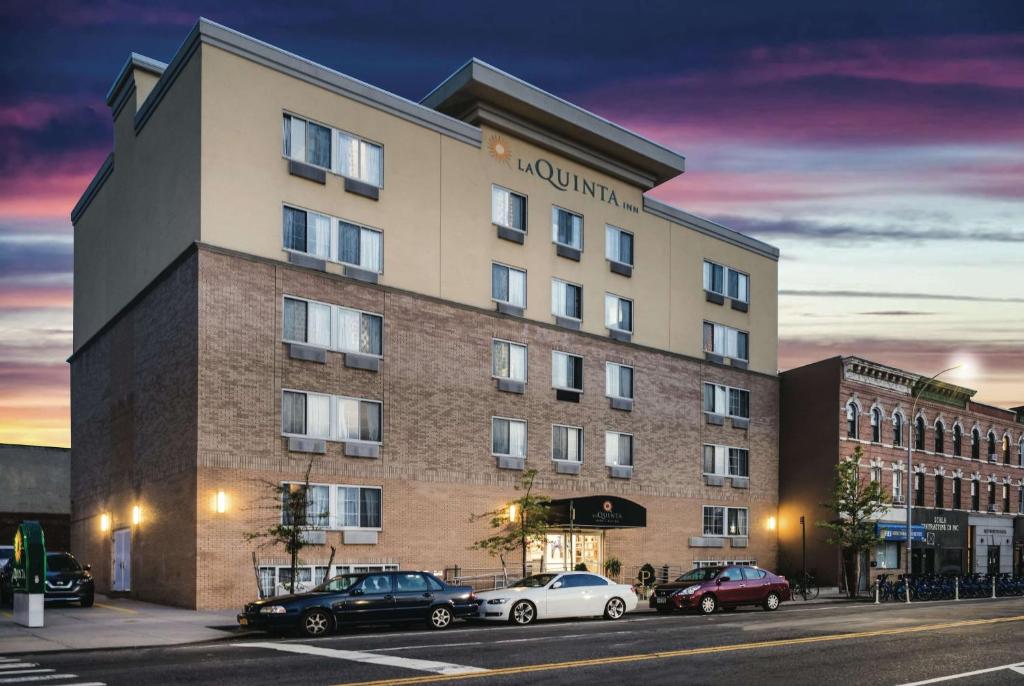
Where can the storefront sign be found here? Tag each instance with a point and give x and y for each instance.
(944, 528)
(598, 511)
(890, 531)
(29, 569)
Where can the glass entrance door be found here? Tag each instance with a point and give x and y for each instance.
(565, 550)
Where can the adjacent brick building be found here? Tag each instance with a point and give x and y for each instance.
(35, 485)
(965, 488)
(421, 300)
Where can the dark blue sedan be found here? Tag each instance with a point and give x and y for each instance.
(369, 598)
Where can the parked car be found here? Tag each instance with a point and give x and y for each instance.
(361, 599)
(550, 595)
(67, 581)
(709, 588)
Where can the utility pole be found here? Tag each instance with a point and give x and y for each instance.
(803, 549)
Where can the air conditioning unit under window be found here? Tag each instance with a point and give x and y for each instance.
(898, 500)
(992, 508)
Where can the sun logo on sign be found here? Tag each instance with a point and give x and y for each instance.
(607, 506)
(498, 148)
(18, 547)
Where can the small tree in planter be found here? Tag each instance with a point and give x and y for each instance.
(856, 504)
(520, 522)
(613, 567)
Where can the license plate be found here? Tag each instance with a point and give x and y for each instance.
(243, 621)
(661, 601)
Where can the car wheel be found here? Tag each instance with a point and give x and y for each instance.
(316, 623)
(440, 618)
(88, 600)
(772, 602)
(523, 613)
(614, 609)
(708, 604)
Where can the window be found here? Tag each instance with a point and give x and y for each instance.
(975, 444)
(508, 209)
(722, 460)
(618, 381)
(567, 371)
(508, 360)
(725, 521)
(897, 487)
(317, 505)
(940, 486)
(566, 443)
(940, 437)
(919, 489)
(332, 149)
(852, 415)
(618, 245)
(887, 555)
(726, 341)
(919, 433)
(957, 492)
(975, 495)
(1020, 452)
(991, 495)
(618, 449)
(734, 402)
(508, 437)
(331, 506)
(566, 299)
(411, 583)
(876, 475)
(618, 313)
(726, 281)
(1020, 498)
(958, 440)
(508, 285)
(333, 239)
(991, 446)
(332, 327)
(1006, 449)
(897, 429)
(582, 580)
(335, 418)
(1006, 497)
(876, 425)
(566, 228)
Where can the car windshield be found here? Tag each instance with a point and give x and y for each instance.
(61, 562)
(535, 581)
(6, 553)
(338, 584)
(705, 574)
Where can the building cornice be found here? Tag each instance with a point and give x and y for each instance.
(105, 170)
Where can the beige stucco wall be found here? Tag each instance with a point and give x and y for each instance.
(147, 211)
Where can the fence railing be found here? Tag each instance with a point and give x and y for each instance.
(901, 588)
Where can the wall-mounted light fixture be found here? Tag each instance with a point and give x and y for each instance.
(221, 502)
(136, 515)
(105, 522)
(512, 511)
(771, 523)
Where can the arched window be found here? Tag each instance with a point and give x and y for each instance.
(1006, 449)
(897, 429)
(992, 446)
(940, 437)
(851, 419)
(975, 444)
(1020, 452)
(876, 425)
(958, 440)
(919, 434)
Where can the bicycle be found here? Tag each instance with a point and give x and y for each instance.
(805, 586)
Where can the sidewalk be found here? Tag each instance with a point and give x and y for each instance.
(114, 623)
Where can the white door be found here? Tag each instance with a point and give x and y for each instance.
(121, 564)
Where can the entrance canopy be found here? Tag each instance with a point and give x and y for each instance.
(597, 512)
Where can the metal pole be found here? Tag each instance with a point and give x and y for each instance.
(956, 588)
(876, 591)
(993, 587)
(803, 550)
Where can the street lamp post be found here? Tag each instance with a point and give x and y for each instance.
(912, 425)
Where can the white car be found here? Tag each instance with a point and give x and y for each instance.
(557, 594)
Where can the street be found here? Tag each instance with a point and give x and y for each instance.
(812, 644)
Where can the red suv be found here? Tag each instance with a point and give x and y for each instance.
(708, 588)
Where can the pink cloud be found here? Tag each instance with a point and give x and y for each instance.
(48, 186)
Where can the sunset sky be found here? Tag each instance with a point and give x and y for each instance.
(879, 145)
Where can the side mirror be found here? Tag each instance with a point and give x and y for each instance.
(557, 584)
(356, 591)
(721, 579)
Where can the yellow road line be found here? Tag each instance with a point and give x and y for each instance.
(661, 655)
(117, 609)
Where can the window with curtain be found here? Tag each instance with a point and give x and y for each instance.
(508, 209)
(739, 403)
(508, 285)
(714, 521)
(897, 486)
(360, 246)
(739, 286)
(508, 360)
(508, 437)
(726, 281)
(332, 327)
(358, 420)
(294, 138)
(852, 414)
(618, 449)
(876, 425)
(357, 332)
(336, 418)
(721, 460)
(306, 141)
(293, 413)
(295, 229)
(739, 462)
(897, 429)
(306, 414)
(714, 278)
(567, 228)
(618, 245)
(566, 299)
(618, 313)
(566, 371)
(975, 495)
(618, 381)
(566, 443)
(295, 326)
(737, 518)
(726, 341)
(726, 401)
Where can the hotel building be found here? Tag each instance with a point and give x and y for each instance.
(966, 482)
(279, 264)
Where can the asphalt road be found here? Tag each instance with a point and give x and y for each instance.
(811, 644)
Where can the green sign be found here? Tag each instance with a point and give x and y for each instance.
(29, 574)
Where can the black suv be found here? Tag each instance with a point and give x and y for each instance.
(362, 599)
(66, 580)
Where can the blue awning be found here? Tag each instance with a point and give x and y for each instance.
(890, 531)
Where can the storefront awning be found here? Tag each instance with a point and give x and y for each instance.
(597, 512)
(891, 531)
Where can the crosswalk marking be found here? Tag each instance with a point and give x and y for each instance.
(1015, 667)
(42, 677)
(432, 666)
(28, 671)
(16, 665)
